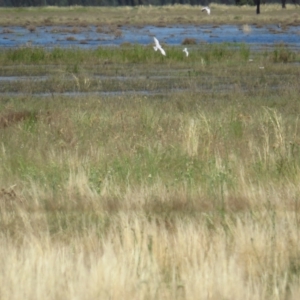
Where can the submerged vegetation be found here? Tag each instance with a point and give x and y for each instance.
(128, 175)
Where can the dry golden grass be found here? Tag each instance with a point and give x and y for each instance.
(132, 256)
(227, 230)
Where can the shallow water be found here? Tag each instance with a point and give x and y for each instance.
(22, 78)
(88, 37)
(201, 88)
(148, 85)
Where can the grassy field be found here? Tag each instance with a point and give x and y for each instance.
(149, 15)
(128, 175)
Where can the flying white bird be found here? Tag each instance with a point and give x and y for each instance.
(158, 46)
(186, 51)
(207, 9)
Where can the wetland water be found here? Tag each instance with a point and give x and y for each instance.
(138, 83)
(92, 37)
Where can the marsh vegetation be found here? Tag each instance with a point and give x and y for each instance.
(128, 175)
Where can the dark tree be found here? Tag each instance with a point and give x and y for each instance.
(283, 2)
(257, 7)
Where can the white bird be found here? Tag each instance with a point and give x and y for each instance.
(186, 51)
(158, 46)
(207, 9)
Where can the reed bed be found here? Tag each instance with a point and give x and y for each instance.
(189, 193)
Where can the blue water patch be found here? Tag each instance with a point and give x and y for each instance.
(89, 37)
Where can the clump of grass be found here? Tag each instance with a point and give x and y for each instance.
(83, 23)
(48, 21)
(189, 41)
(71, 38)
(117, 33)
(7, 31)
(31, 28)
(13, 117)
(126, 44)
(283, 54)
(31, 55)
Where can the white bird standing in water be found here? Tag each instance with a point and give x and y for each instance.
(186, 51)
(158, 46)
(207, 9)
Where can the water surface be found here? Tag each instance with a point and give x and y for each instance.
(90, 37)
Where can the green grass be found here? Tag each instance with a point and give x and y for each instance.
(131, 53)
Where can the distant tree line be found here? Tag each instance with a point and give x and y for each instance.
(24, 3)
(19, 3)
